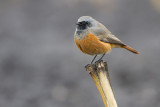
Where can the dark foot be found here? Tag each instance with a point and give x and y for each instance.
(98, 61)
(100, 65)
(87, 66)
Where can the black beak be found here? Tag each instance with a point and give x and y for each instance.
(77, 23)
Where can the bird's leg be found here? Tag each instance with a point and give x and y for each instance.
(101, 57)
(93, 59)
(91, 62)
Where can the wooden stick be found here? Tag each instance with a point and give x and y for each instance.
(100, 75)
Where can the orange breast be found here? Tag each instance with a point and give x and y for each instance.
(91, 45)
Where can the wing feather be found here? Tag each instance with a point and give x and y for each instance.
(105, 35)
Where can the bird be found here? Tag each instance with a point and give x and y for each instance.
(93, 38)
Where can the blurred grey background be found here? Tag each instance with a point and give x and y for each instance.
(40, 66)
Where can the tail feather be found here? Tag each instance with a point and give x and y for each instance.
(130, 49)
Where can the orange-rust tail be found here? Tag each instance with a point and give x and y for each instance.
(130, 49)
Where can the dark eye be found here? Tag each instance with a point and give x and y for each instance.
(83, 23)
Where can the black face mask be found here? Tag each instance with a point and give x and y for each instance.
(82, 25)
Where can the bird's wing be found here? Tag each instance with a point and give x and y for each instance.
(106, 36)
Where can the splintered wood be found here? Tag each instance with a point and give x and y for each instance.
(100, 75)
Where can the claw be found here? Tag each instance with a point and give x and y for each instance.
(86, 66)
(99, 61)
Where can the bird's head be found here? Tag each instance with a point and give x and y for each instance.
(86, 22)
